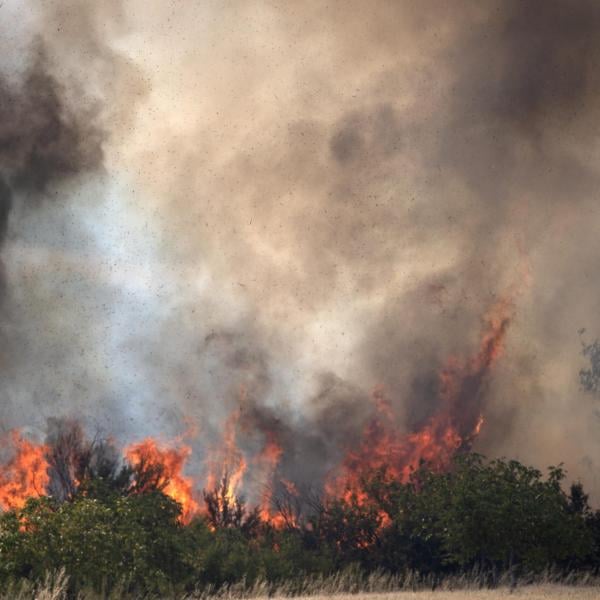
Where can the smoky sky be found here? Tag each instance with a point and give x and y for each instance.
(294, 205)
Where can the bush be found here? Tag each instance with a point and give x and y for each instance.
(491, 516)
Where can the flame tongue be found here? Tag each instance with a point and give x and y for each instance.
(384, 447)
(267, 462)
(226, 461)
(25, 475)
(455, 425)
(166, 464)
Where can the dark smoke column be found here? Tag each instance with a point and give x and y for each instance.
(45, 140)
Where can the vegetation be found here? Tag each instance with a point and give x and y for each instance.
(344, 586)
(493, 517)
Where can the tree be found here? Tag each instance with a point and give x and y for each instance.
(79, 466)
(412, 540)
(504, 513)
(225, 511)
(348, 528)
(132, 540)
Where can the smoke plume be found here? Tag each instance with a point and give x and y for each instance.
(272, 210)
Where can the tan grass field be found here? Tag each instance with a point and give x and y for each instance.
(55, 588)
(538, 592)
(534, 592)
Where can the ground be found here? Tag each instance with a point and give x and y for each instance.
(545, 592)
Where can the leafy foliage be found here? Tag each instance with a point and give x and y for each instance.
(491, 515)
(132, 540)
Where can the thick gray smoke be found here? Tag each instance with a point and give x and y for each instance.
(280, 208)
(43, 141)
(58, 84)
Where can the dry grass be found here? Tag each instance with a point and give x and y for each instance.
(346, 586)
(351, 585)
(537, 592)
(530, 592)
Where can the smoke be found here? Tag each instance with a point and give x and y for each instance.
(59, 82)
(292, 206)
(44, 143)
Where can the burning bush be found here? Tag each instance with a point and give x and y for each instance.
(494, 515)
(420, 501)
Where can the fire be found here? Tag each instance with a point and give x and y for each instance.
(455, 425)
(267, 462)
(25, 475)
(384, 447)
(226, 461)
(166, 464)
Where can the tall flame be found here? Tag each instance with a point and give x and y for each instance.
(226, 460)
(384, 446)
(169, 463)
(267, 462)
(455, 425)
(25, 475)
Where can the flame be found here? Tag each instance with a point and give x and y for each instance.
(455, 425)
(267, 462)
(25, 475)
(226, 460)
(384, 447)
(169, 462)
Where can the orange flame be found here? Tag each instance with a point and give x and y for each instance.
(25, 475)
(383, 447)
(226, 460)
(455, 425)
(267, 462)
(170, 463)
